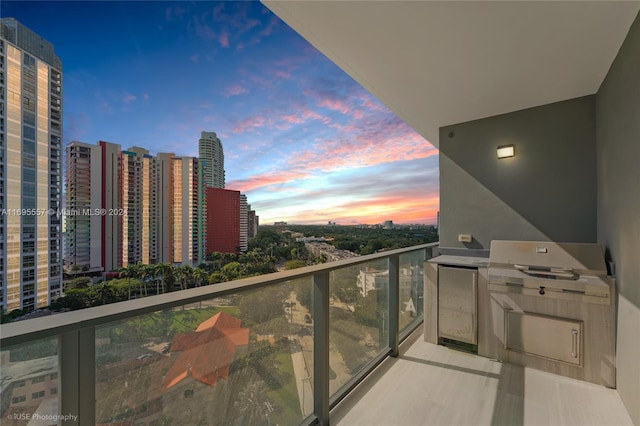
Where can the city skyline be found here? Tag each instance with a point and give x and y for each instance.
(304, 141)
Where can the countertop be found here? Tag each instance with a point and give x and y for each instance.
(469, 261)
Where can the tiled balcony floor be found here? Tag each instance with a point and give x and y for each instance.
(433, 385)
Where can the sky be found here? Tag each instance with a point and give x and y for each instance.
(303, 140)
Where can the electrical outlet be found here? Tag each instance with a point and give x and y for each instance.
(464, 238)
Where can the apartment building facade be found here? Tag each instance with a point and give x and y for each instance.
(223, 220)
(244, 223)
(188, 212)
(30, 168)
(82, 239)
(211, 154)
(126, 207)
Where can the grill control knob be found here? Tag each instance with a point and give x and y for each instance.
(541, 290)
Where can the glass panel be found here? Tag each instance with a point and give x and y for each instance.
(411, 288)
(298, 310)
(30, 382)
(230, 360)
(358, 315)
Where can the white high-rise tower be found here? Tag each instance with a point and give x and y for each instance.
(212, 157)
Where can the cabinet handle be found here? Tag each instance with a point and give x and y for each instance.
(574, 343)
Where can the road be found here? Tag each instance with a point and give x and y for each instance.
(302, 358)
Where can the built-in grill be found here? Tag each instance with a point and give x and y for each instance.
(553, 308)
(569, 271)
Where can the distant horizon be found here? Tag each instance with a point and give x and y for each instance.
(301, 139)
(347, 224)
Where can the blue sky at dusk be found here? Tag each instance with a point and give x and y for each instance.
(303, 140)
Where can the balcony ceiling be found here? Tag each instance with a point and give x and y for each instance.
(441, 63)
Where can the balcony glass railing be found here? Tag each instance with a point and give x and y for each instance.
(274, 349)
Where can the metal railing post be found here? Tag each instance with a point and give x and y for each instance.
(321, 347)
(77, 360)
(394, 304)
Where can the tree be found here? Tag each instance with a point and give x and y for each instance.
(215, 278)
(179, 275)
(216, 259)
(200, 276)
(73, 299)
(188, 275)
(344, 289)
(263, 305)
(120, 288)
(80, 282)
(231, 271)
(156, 273)
(168, 278)
(105, 294)
(146, 271)
(183, 274)
(129, 272)
(294, 264)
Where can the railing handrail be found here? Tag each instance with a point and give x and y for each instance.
(53, 325)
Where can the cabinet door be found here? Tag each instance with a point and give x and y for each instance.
(457, 297)
(554, 338)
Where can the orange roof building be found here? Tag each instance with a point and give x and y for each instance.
(207, 353)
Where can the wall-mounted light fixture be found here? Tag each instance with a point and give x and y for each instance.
(506, 151)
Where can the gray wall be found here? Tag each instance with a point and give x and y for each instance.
(618, 165)
(546, 192)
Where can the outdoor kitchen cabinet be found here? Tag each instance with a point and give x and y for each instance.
(551, 306)
(457, 304)
(451, 298)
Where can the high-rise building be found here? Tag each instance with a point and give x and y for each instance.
(211, 155)
(30, 168)
(188, 212)
(131, 208)
(111, 192)
(165, 201)
(252, 222)
(153, 208)
(82, 236)
(149, 205)
(244, 223)
(223, 220)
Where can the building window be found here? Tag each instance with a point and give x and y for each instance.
(37, 395)
(18, 399)
(38, 379)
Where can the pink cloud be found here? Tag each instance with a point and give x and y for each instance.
(265, 180)
(252, 123)
(370, 103)
(224, 39)
(283, 74)
(257, 79)
(203, 31)
(335, 105)
(128, 98)
(268, 30)
(363, 148)
(235, 90)
(292, 118)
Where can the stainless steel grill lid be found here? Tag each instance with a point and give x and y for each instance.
(582, 259)
(569, 268)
